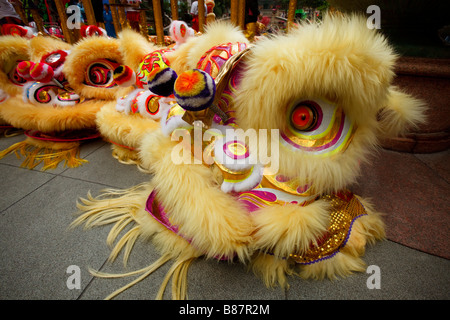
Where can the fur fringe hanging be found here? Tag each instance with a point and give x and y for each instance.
(121, 208)
(50, 158)
(124, 155)
(127, 155)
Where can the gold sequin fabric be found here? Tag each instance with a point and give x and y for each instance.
(345, 209)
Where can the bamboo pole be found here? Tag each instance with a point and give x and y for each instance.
(158, 22)
(291, 14)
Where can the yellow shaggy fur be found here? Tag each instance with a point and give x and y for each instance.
(339, 60)
(50, 119)
(12, 48)
(39, 46)
(125, 131)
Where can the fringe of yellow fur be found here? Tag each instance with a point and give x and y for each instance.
(120, 208)
(49, 157)
(127, 156)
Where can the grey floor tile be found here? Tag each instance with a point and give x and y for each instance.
(37, 248)
(18, 182)
(405, 274)
(439, 162)
(143, 255)
(207, 280)
(91, 146)
(103, 168)
(212, 279)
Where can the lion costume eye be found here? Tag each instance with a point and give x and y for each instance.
(318, 127)
(100, 73)
(304, 116)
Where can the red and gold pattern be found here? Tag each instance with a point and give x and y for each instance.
(100, 73)
(213, 60)
(150, 65)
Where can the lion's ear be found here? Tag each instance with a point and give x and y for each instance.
(401, 113)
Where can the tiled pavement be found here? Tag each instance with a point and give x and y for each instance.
(37, 248)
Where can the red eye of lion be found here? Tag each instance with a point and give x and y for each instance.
(304, 116)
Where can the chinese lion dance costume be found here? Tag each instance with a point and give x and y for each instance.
(318, 100)
(62, 87)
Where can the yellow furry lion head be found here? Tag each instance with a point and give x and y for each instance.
(324, 87)
(13, 49)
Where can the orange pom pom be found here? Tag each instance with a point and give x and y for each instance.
(189, 83)
(194, 90)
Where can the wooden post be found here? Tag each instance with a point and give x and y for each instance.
(143, 23)
(174, 9)
(19, 9)
(291, 14)
(201, 15)
(37, 18)
(241, 14)
(234, 12)
(68, 34)
(90, 15)
(115, 16)
(158, 22)
(123, 17)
